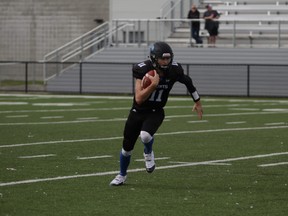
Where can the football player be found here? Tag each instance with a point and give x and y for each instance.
(147, 113)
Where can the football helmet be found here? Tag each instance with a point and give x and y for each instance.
(161, 50)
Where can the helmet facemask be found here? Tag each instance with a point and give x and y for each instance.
(161, 50)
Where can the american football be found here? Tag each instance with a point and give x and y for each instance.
(146, 81)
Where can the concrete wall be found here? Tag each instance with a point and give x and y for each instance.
(136, 9)
(29, 29)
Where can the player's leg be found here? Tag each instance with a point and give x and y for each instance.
(147, 140)
(131, 133)
(149, 128)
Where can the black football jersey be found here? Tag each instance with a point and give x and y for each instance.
(158, 98)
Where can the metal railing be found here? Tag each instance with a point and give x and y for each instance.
(80, 48)
(268, 32)
(235, 32)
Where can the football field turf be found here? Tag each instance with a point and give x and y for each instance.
(59, 153)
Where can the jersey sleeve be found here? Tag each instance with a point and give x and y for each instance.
(139, 70)
(187, 81)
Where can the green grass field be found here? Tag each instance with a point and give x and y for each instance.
(59, 153)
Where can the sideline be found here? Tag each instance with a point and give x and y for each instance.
(140, 169)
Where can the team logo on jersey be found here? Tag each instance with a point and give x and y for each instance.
(142, 64)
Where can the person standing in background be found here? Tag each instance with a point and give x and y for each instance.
(211, 24)
(195, 25)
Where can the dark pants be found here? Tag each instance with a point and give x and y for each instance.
(195, 35)
(141, 121)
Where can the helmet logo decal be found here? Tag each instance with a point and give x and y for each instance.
(165, 55)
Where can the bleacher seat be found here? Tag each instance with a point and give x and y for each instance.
(257, 23)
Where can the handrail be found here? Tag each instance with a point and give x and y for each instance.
(75, 40)
(103, 36)
(170, 10)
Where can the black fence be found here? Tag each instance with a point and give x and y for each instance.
(116, 78)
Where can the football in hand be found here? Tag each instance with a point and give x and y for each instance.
(146, 80)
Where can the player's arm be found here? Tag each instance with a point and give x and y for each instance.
(185, 79)
(141, 94)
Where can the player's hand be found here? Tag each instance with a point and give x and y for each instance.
(198, 108)
(154, 79)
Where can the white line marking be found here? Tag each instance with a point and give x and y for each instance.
(94, 157)
(61, 141)
(29, 181)
(245, 109)
(127, 108)
(37, 156)
(275, 110)
(200, 121)
(273, 164)
(159, 158)
(130, 97)
(275, 123)
(214, 164)
(239, 122)
(124, 119)
(157, 134)
(13, 103)
(227, 114)
(220, 164)
(51, 117)
(88, 118)
(61, 122)
(17, 116)
(60, 104)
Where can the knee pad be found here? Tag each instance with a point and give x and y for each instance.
(145, 137)
(126, 153)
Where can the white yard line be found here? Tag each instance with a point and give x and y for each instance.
(228, 114)
(33, 96)
(88, 118)
(273, 164)
(159, 158)
(157, 134)
(198, 121)
(94, 157)
(124, 119)
(60, 104)
(30, 181)
(62, 122)
(245, 109)
(18, 116)
(51, 117)
(12, 103)
(239, 122)
(214, 164)
(275, 123)
(37, 156)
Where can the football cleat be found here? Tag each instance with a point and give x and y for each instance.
(149, 162)
(118, 180)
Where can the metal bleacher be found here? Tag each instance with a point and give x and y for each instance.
(218, 71)
(243, 23)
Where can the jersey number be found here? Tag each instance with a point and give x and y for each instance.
(156, 95)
